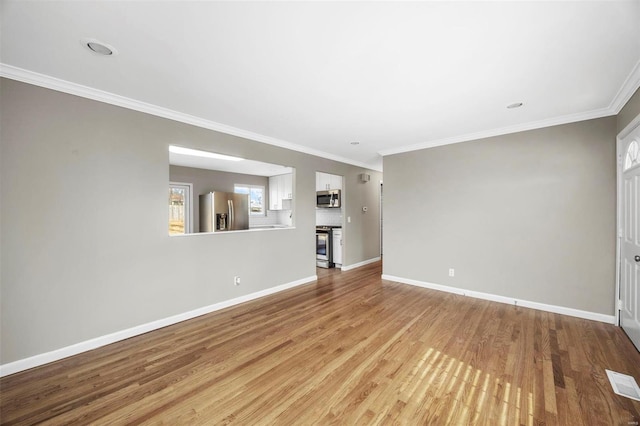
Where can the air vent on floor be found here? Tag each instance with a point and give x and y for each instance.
(624, 385)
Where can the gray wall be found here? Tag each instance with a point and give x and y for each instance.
(629, 112)
(359, 241)
(205, 181)
(529, 215)
(83, 221)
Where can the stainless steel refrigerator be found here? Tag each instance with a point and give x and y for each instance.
(224, 211)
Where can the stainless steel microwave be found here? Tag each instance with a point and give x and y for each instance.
(328, 199)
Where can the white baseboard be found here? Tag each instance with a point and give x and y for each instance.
(58, 354)
(609, 319)
(359, 264)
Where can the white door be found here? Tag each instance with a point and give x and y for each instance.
(180, 208)
(630, 244)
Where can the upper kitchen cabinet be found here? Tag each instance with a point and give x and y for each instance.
(280, 192)
(325, 181)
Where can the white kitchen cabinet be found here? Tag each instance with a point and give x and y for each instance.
(274, 201)
(287, 186)
(337, 246)
(335, 182)
(325, 181)
(322, 181)
(280, 188)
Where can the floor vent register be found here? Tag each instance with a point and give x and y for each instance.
(624, 385)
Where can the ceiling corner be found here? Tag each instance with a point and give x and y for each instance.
(628, 88)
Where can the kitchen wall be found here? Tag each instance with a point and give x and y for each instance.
(529, 215)
(329, 217)
(362, 235)
(83, 222)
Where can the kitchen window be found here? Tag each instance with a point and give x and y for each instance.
(256, 198)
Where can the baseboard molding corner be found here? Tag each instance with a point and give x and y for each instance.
(359, 264)
(594, 316)
(77, 348)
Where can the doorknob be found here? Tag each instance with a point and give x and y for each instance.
(637, 258)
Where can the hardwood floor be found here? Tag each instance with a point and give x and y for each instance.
(349, 349)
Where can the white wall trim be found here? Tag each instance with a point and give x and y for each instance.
(58, 354)
(555, 121)
(594, 316)
(628, 88)
(359, 264)
(48, 82)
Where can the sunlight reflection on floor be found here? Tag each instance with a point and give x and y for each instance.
(473, 390)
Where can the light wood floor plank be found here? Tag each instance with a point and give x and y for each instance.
(350, 349)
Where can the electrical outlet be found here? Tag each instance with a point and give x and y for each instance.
(348, 219)
(236, 280)
(452, 272)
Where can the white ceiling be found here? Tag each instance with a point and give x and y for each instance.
(315, 76)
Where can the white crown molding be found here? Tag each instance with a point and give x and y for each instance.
(566, 119)
(53, 83)
(628, 88)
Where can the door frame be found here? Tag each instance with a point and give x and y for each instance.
(380, 202)
(620, 152)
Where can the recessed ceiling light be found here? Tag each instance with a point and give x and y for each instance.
(354, 143)
(99, 47)
(514, 105)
